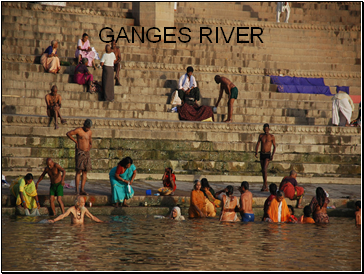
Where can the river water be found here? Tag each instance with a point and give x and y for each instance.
(143, 243)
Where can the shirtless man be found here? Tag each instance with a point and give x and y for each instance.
(358, 213)
(117, 66)
(246, 203)
(231, 90)
(82, 155)
(78, 212)
(57, 182)
(54, 101)
(267, 141)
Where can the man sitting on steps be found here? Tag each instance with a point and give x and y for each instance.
(53, 101)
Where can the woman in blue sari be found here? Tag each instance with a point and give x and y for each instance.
(121, 178)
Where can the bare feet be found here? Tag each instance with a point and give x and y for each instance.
(63, 121)
(56, 127)
(227, 121)
(116, 205)
(300, 206)
(124, 204)
(264, 188)
(82, 192)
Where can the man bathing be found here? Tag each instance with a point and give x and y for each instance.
(231, 90)
(82, 155)
(267, 141)
(246, 203)
(78, 212)
(57, 182)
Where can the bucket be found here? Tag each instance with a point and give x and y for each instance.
(148, 192)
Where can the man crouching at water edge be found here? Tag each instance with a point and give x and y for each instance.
(246, 203)
(78, 212)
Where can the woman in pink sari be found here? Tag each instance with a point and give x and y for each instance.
(50, 60)
(82, 76)
(84, 51)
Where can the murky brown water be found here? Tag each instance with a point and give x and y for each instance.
(144, 243)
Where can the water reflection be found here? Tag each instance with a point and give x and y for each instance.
(139, 243)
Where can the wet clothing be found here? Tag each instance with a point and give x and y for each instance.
(120, 190)
(56, 189)
(83, 160)
(234, 93)
(319, 217)
(264, 156)
(29, 192)
(267, 204)
(247, 217)
(197, 199)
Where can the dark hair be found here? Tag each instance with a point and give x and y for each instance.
(195, 183)
(54, 86)
(307, 211)
(124, 162)
(320, 196)
(85, 34)
(204, 183)
(291, 208)
(273, 189)
(245, 184)
(189, 69)
(230, 190)
(87, 123)
(170, 169)
(84, 60)
(28, 177)
(358, 204)
(266, 125)
(280, 193)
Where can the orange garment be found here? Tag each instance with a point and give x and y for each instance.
(197, 199)
(273, 211)
(306, 220)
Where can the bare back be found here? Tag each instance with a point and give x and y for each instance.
(226, 85)
(53, 100)
(246, 202)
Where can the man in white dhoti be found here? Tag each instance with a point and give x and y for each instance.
(342, 108)
(281, 7)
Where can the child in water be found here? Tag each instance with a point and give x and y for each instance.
(305, 218)
(358, 213)
(291, 211)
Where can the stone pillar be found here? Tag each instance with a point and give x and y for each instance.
(154, 14)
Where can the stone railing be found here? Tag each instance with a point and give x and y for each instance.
(138, 124)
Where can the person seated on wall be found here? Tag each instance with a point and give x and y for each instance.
(49, 58)
(82, 75)
(54, 102)
(84, 51)
(291, 190)
(190, 94)
(169, 183)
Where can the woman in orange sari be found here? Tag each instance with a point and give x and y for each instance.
(197, 203)
(50, 60)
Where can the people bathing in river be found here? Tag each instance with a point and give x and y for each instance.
(25, 192)
(54, 171)
(291, 211)
(358, 213)
(273, 193)
(208, 191)
(176, 214)
(78, 212)
(229, 203)
(318, 206)
(290, 188)
(197, 207)
(278, 210)
(169, 183)
(246, 203)
(121, 178)
(306, 217)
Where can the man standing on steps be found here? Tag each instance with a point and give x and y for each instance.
(117, 66)
(231, 90)
(267, 141)
(281, 7)
(57, 182)
(82, 155)
(54, 102)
